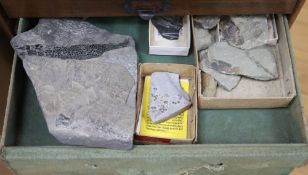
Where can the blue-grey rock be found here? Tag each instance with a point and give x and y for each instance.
(167, 98)
(168, 26)
(245, 32)
(228, 82)
(85, 80)
(258, 63)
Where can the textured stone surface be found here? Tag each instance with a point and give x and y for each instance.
(245, 32)
(258, 63)
(226, 81)
(204, 38)
(168, 26)
(85, 81)
(167, 98)
(209, 85)
(207, 22)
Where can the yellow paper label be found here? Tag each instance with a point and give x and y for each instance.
(174, 128)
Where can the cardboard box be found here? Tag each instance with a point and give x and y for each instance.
(250, 93)
(161, 46)
(185, 72)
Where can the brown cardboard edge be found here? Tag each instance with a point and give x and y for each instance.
(179, 69)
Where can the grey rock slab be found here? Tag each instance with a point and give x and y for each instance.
(168, 26)
(206, 22)
(167, 98)
(245, 32)
(228, 82)
(85, 80)
(258, 63)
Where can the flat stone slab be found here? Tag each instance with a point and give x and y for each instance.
(258, 63)
(228, 82)
(85, 80)
(245, 32)
(167, 98)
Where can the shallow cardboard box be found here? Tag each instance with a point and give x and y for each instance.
(161, 46)
(185, 72)
(250, 93)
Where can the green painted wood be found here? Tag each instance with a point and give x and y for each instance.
(30, 149)
(158, 159)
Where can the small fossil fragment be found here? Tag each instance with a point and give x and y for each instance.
(167, 98)
(258, 63)
(245, 32)
(168, 26)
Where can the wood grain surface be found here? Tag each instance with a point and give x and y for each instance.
(87, 8)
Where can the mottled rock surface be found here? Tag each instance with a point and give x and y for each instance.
(85, 81)
(206, 22)
(168, 26)
(258, 63)
(245, 32)
(167, 98)
(226, 81)
(204, 38)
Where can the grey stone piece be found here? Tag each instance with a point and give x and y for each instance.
(258, 63)
(245, 32)
(204, 38)
(85, 80)
(209, 85)
(168, 26)
(206, 22)
(167, 98)
(228, 82)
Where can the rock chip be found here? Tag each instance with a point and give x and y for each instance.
(209, 85)
(204, 38)
(85, 81)
(168, 26)
(167, 98)
(258, 63)
(245, 32)
(207, 22)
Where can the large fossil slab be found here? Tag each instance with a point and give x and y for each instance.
(85, 81)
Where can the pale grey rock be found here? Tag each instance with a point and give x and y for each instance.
(206, 22)
(204, 38)
(209, 85)
(245, 32)
(258, 63)
(167, 98)
(228, 82)
(85, 81)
